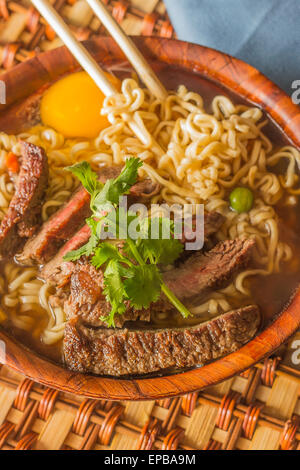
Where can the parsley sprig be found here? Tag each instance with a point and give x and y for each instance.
(131, 273)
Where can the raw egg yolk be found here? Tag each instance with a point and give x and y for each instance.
(73, 104)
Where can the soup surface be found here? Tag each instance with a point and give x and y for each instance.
(213, 142)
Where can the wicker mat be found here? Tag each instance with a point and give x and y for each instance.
(259, 409)
(256, 410)
(23, 32)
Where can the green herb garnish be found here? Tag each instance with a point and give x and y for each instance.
(131, 274)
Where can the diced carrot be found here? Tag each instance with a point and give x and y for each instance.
(12, 162)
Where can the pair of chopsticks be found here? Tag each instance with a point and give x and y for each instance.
(89, 64)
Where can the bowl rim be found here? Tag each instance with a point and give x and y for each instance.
(250, 84)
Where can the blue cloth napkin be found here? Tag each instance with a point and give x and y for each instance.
(264, 33)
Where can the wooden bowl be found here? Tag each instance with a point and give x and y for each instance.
(224, 74)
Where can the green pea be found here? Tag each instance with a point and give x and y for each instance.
(241, 200)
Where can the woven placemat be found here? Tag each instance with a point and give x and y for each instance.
(259, 409)
(23, 33)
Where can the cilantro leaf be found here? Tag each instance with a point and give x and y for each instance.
(129, 174)
(87, 177)
(88, 248)
(105, 252)
(74, 255)
(113, 189)
(163, 251)
(144, 285)
(110, 318)
(84, 250)
(114, 288)
(159, 250)
(114, 291)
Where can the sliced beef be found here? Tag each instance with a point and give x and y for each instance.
(144, 190)
(125, 352)
(24, 212)
(60, 226)
(56, 230)
(211, 269)
(23, 115)
(69, 218)
(212, 222)
(55, 269)
(189, 283)
(85, 299)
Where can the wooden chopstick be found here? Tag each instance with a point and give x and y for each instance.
(137, 59)
(90, 66)
(75, 47)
